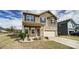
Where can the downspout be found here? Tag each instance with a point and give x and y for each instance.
(23, 30)
(56, 28)
(68, 29)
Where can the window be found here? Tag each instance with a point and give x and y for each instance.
(33, 31)
(42, 20)
(52, 21)
(30, 18)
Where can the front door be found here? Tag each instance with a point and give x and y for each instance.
(38, 32)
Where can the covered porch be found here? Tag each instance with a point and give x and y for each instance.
(32, 29)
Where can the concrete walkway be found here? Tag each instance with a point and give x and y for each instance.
(68, 42)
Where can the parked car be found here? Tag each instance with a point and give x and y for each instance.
(75, 33)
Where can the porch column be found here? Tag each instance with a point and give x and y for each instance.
(56, 29)
(42, 31)
(36, 32)
(29, 31)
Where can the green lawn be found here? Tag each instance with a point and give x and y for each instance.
(71, 37)
(7, 42)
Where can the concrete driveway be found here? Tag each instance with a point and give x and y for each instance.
(68, 42)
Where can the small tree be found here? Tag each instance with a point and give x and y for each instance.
(22, 35)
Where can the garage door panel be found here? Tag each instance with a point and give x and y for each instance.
(49, 33)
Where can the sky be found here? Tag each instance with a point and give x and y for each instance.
(10, 18)
(13, 18)
(66, 14)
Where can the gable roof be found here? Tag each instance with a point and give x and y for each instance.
(66, 21)
(38, 14)
(50, 13)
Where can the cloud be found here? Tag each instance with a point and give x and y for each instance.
(10, 18)
(74, 14)
(6, 23)
(10, 14)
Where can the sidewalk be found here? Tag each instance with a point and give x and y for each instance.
(68, 42)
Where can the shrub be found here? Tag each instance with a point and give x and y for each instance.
(39, 38)
(22, 35)
(35, 38)
(46, 38)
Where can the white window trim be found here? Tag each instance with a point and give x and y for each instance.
(32, 29)
(30, 18)
(53, 20)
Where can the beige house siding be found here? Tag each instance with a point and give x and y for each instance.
(47, 24)
(47, 27)
(37, 19)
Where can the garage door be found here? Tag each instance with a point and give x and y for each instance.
(49, 33)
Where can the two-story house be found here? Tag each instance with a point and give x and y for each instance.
(43, 24)
(77, 28)
(66, 27)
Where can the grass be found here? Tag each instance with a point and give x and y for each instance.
(71, 37)
(45, 45)
(7, 42)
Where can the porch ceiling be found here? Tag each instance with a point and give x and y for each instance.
(31, 24)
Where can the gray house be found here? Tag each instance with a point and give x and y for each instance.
(77, 28)
(66, 27)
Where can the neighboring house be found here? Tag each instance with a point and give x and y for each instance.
(2, 30)
(66, 27)
(43, 24)
(77, 28)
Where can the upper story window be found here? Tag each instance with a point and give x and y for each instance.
(42, 20)
(30, 18)
(52, 21)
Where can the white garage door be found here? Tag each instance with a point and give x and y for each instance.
(49, 33)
